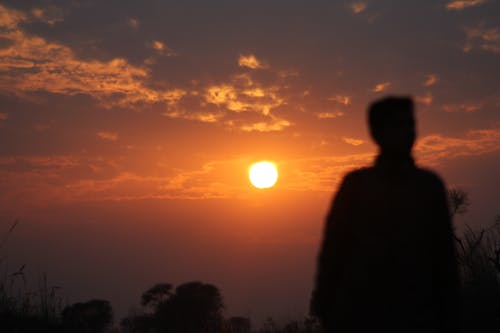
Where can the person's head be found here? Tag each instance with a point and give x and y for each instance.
(392, 124)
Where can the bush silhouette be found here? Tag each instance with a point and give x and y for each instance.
(90, 317)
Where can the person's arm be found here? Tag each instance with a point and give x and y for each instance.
(332, 254)
(446, 277)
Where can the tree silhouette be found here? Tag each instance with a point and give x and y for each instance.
(478, 252)
(239, 325)
(458, 200)
(90, 317)
(481, 284)
(270, 326)
(137, 323)
(158, 293)
(195, 307)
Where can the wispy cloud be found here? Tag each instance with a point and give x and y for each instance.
(426, 99)
(45, 179)
(10, 18)
(341, 99)
(272, 125)
(250, 61)
(106, 135)
(224, 95)
(63, 178)
(133, 22)
(157, 45)
(486, 39)
(437, 148)
(323, 173)
(50, 15)
(239, 98)
(352, 141)
(462, 4)
(31, 63)
(358, 7)
(241, 102)
(380, 87)
(430, 80)
(254, 92)
(329, 115)
(462, 107)
(201, 116)
(162, 49)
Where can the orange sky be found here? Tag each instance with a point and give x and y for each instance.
(127, 130)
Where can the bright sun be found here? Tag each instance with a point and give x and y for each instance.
(263, 174)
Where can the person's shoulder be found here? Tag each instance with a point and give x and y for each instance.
(358, 174)
(429, 177)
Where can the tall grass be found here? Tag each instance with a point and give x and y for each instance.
(25, 306)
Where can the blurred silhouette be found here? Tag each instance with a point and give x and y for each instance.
(387, 262)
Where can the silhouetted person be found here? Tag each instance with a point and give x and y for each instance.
(387, 261)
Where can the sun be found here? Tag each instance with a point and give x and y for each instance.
(263, 174)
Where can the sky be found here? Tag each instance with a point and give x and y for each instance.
(127, 129)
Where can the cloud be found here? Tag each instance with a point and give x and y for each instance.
(426, 99)
(322, 173)
(162, 49)
(250, 61)
(329, 115)
(157, 45)
(462, 4)
(462, 107)
(341, 99)
(486, 39)
(223, 95)
(273, 125)
(436, 147)
(237, 98)
(430, 80)
(241, 102)
(287, 73)
(256, 92)
(133, 22)
(50, 15)
(31, 63)
(380, 87)
(352, 141)
(201, 116)
(110, 136)
(33, 180)
(358, 7)
(10, 18)
(45, 179)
